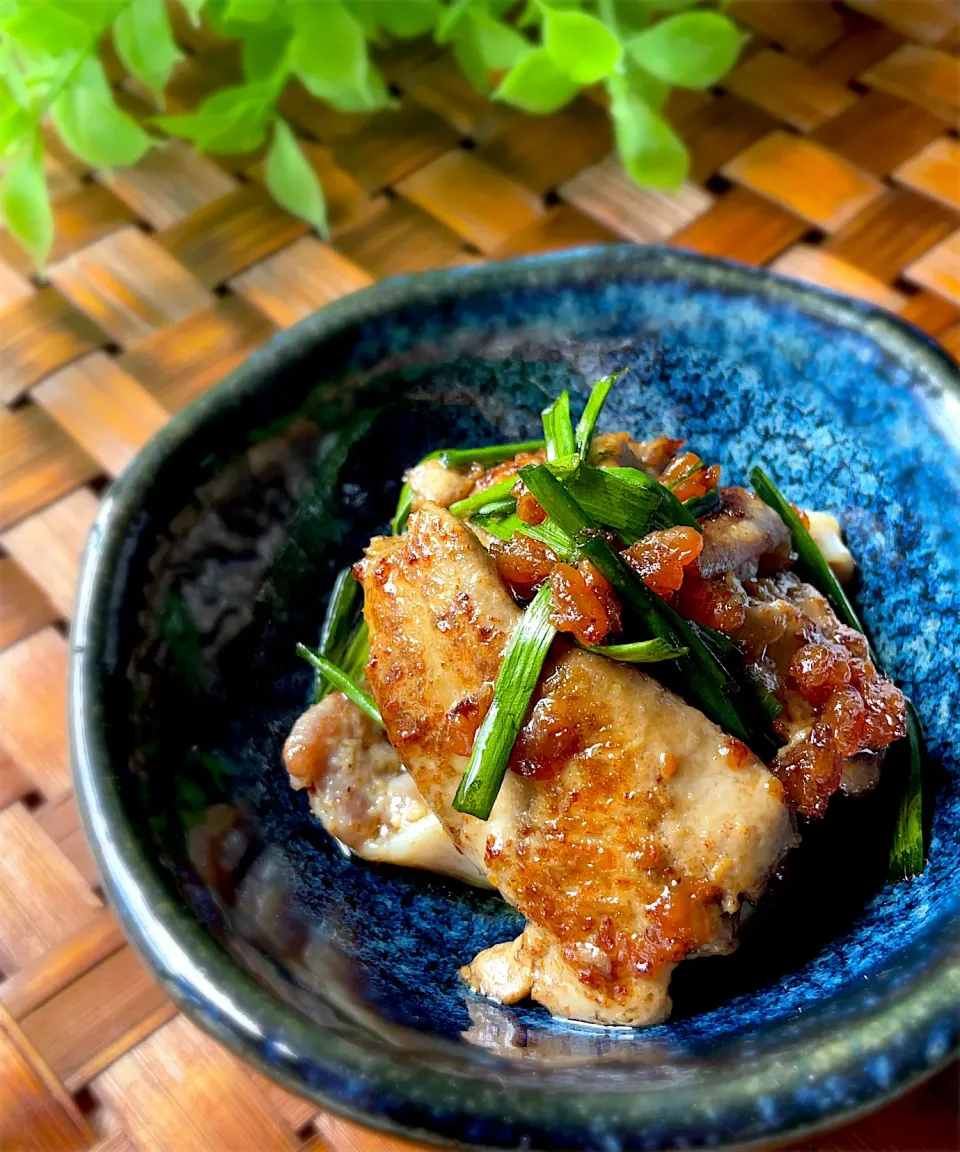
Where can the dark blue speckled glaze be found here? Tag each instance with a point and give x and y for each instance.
(216, 550)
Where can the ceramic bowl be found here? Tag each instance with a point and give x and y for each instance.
(214, 553)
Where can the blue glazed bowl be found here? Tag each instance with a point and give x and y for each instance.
(215, 552)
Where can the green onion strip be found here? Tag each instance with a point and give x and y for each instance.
(340, 680)
(516, 682)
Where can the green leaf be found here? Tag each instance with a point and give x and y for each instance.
(652, 153)
(193, 8)
(405, 18)
(558, 429)
(232, 121)
(15, 122)
(535, 84)
(369, 96)
(580, 46)
(144, 42)
(692, 50)
(90, 123)
(263, 53)
(328, 50)
(24, 201)
(249, 11)
(498, 45)
(291, 180)
(55, 28)
(447, 24)
(466, 52)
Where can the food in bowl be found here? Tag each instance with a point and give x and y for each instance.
(591, 678)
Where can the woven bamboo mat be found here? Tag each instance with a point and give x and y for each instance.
(828, 155)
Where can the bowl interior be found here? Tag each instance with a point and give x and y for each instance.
(234, 530)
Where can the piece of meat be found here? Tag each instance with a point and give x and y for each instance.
(838, 713)
(620, 450)
(742, 536)
(631, 856)
(825, 530)
(433, 483)
(363, 795)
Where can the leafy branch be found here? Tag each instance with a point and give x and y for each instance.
(536, 57)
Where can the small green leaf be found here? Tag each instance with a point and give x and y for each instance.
(90, 123)
(144, 42)
(466, 52)
(24, 200)
(405, 18)
(692, 50)
(232, 121)
(193, 8)
(652, 153)
(50, 27)
(264, 52)
(291, 180)
(249, 11)
(498, 45)
(15, 122)
(534, 84)
(328, 50)
(581, 46)
(446, 28)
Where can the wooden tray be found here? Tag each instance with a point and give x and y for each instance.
(826, 156)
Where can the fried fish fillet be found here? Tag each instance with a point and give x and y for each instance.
(642, 827)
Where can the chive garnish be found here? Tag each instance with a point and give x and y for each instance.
(700, 506)
(639, 652)
(620, 504)
(557, 428)
(338, 623)
(454, 458)
(505, 527)
(554, 498)
(668, 511)
(489, 455)
(477, 500)
(588, 420)
(907, 850)
(340, 680)
(516, 682)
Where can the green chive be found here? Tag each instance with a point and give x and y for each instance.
(515, 685)
(503, 507)
(337, 624)
(557, 428)
(356, 656)
(556, 501)
(455, 458)
(492, 454)
(588, 421)
(505, 527)
(810, 563)
(700, 506)
(622, 505)
(404, 506)
(698, 467)
(640, 652)
(906, 854)
(340, 680)
(668, 511)
(477, 500)
(907, 851)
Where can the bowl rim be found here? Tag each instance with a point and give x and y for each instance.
(212, 988)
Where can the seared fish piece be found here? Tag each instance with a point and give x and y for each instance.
(363, 795)
(640, 825)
